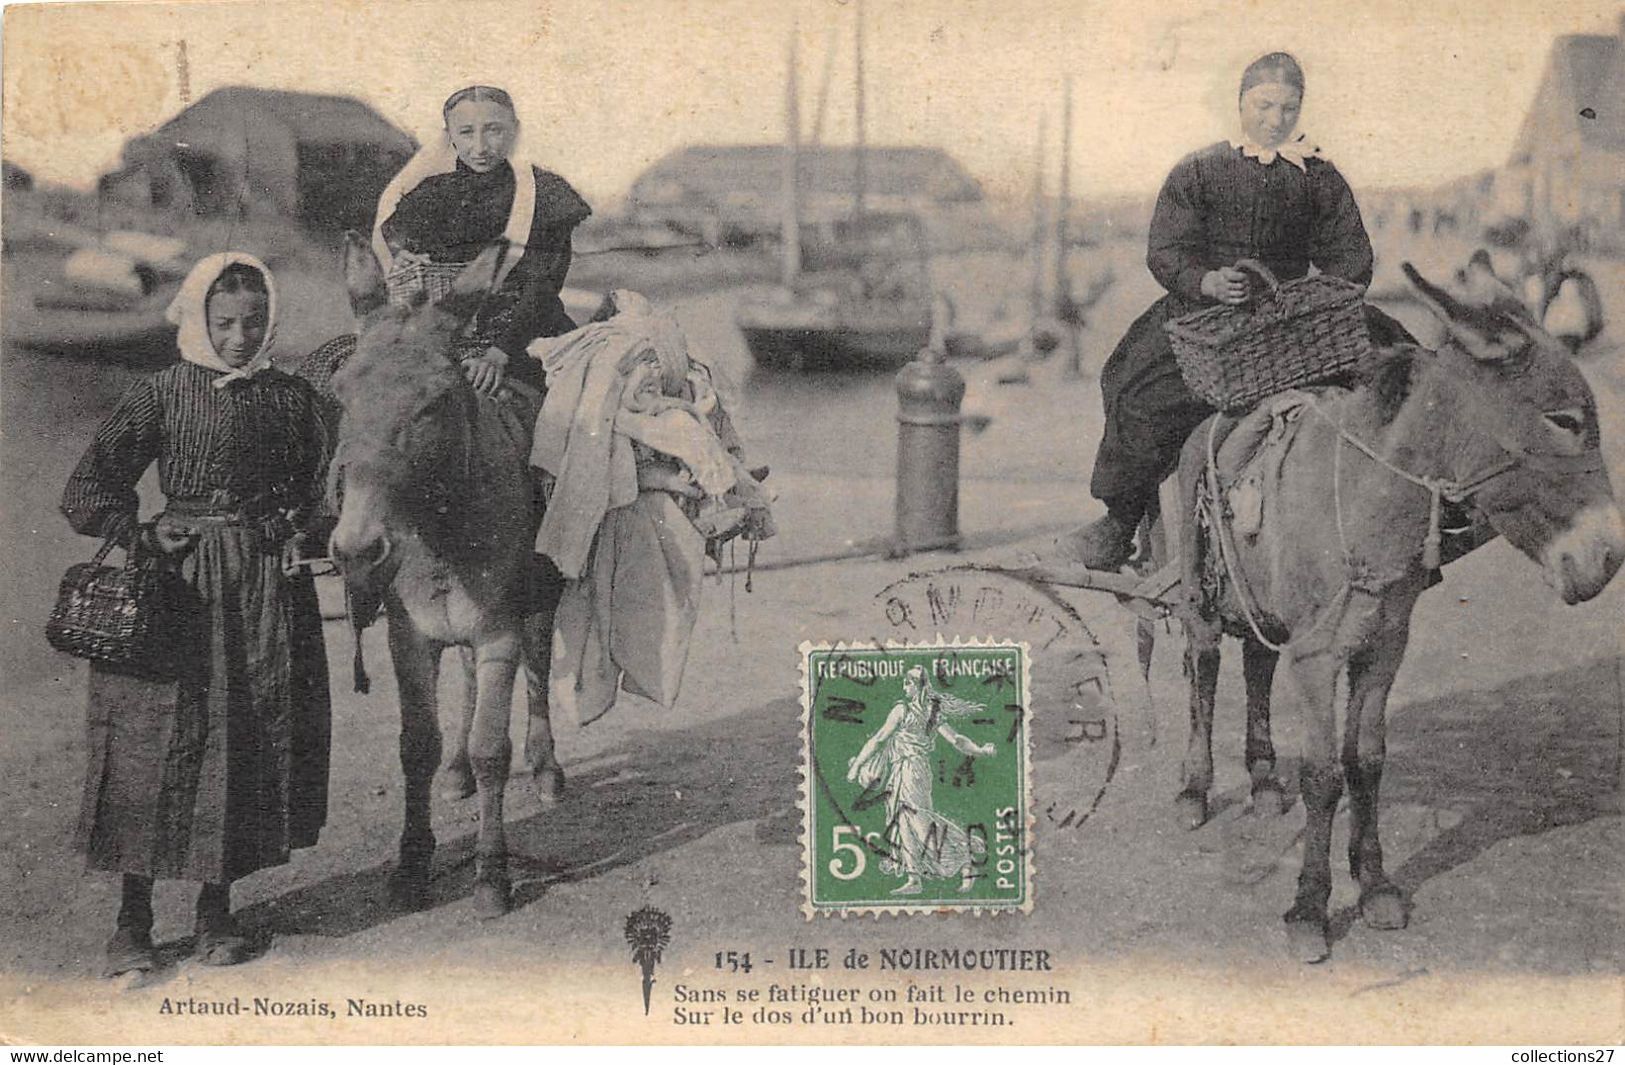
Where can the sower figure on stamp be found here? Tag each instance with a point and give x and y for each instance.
(222, 771)
(922, 842)
(1268, 196)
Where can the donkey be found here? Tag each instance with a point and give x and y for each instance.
(435, 518)
(1498, 419)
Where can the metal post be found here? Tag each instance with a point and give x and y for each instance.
(928, 425)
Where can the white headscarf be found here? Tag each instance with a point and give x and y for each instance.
(439, 157)
(189, 310)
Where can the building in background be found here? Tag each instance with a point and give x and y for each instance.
(320, 161)
(16, 178)
(1567, 168)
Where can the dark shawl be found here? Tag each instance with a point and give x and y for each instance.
(453, 217)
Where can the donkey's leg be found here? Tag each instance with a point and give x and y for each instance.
(417, 670)
(1321, 779)
(1156, 551)
(1382, 904)
(1258, 670)
(489, 752)
(1202, 670)
(456, 776)
(547, 776)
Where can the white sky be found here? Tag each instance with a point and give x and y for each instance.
(1400, 91)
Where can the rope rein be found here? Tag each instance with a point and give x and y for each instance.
(1438, 489)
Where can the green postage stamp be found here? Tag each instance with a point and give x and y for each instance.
(916, 766)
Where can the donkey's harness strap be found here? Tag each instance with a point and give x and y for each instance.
(1221, 533)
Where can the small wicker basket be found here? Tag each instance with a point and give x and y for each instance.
(1297, 333)
(414, 276)
(126, 618)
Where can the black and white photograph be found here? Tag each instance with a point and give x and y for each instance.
(863, 522)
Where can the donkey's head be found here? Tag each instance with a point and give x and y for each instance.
(404, 453)
(1526, 440)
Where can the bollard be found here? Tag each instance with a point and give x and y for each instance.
(928, 423)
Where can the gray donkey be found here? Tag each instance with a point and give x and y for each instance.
(1498, 420)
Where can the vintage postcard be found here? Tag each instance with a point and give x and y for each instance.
(839, 521)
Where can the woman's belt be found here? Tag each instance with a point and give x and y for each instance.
(223, 507)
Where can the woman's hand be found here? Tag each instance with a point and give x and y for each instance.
(486, 372)
(1226, 285)
(170, 537)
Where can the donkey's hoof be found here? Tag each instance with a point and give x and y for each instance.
(548, 782)
(493, 897)
(1269, 800)
(409, 889)
(1307, 941)
(1384, 908)
(456, 782)
(1191, 809)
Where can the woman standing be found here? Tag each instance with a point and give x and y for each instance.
(459, 195)
(921, 842)
(1267, 195)
(223, 770)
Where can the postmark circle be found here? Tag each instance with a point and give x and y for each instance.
(1075, 739)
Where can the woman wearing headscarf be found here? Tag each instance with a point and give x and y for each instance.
(221, 771)
(463, 192)
(1268, 195)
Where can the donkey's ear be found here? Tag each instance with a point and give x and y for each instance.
(363, 277)
(1485, 288)
(1484, 334)
(475, 283)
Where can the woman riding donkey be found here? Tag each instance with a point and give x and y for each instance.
(457, 197)
(1267, 196)
(223, 770)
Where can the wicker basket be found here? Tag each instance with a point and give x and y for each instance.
(123, 617)
(413, 276)
(1297, 333)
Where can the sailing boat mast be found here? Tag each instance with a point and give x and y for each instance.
(1035, 299)
(790, 226)
(1064, 202)
(862, 165)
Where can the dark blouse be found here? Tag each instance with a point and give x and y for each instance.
(1219, 205)
(257, 443)
(453, 217)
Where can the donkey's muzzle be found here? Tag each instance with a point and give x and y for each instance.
(1581, 561)
(362, 561)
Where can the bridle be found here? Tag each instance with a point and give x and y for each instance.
(1515, 456)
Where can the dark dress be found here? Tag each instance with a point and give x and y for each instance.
(223, 771)
(1217, 206)
(452, 217)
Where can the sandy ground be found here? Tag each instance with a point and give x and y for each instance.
(1501, 803)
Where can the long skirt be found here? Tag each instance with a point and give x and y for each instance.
(923, 842)
(224, 770)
